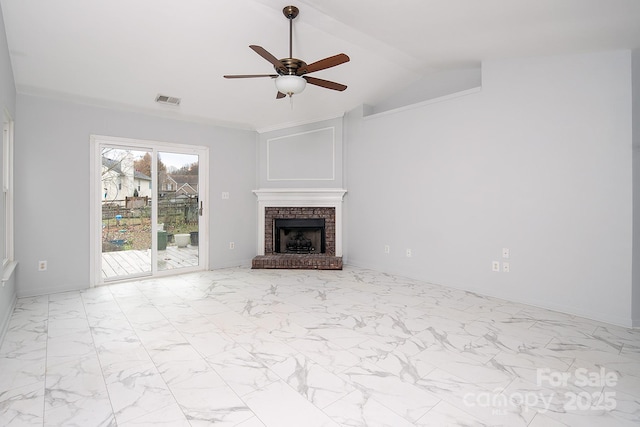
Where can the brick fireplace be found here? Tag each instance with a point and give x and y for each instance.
(320, 208)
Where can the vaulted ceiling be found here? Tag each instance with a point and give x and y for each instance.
(122, 53)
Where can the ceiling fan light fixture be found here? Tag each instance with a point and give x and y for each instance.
(290, 84)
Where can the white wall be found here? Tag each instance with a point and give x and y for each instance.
(429, 87)
(8, 103)
(315, 159)
(538, 162)
(52, 149)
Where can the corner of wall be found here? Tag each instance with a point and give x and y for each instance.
(8, 294)
(8, 298)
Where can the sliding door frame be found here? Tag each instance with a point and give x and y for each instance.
(95, 196)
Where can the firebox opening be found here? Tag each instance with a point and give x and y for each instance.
(299, 236)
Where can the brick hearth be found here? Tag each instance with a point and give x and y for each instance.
(298, 261)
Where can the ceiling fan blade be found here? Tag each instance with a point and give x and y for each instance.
(325, 63)
(249, 76)
(325, 83)
(280, 95)
(269, 57)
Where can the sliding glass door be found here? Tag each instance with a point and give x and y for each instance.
(125, 212)
(178, 211)
(148, 215)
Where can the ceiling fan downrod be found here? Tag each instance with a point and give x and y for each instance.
(290, 12)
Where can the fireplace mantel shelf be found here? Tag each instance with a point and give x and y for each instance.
(300, 197)
(309, 196)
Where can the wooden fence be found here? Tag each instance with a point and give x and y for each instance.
(170, 211)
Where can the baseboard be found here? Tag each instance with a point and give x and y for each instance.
(4, 325)
(36, 292)
(244, 263)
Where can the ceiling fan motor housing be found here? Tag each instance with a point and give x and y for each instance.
(294, 66)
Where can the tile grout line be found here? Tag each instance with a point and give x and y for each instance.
(95, 349)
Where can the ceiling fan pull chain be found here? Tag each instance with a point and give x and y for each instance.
(291, 101)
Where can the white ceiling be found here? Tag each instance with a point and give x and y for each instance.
(123, 53)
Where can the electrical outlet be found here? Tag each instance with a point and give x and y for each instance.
(505, 252)
(387, 249)
(232, 245)
(42, 265)
(408, 253)
(495, 266)
(505, 267)
(225, 195)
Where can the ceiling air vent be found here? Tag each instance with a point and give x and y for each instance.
(168, 100)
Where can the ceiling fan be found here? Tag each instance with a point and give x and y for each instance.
(291, 72)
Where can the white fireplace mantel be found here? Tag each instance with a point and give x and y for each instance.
(299, 197)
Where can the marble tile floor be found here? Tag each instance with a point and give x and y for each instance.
(279, 348)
